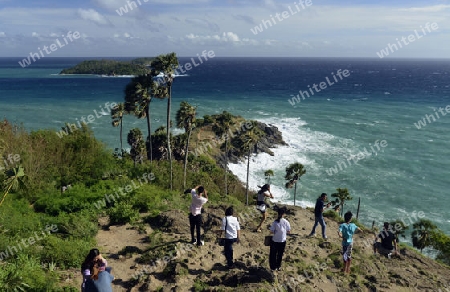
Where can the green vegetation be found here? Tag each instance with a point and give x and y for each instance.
(110, 67)
(185, 118)
(293, 173)
(422, 233)
(221, 127)
(48, 164)
(268, 174)
(341, 196)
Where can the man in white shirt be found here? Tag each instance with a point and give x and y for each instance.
(199, 198)
(279, 228)
(230, 225)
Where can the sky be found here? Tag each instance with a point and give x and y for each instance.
(287, 28)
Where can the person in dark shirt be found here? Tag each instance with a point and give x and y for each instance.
(388, 244)
(318, 214)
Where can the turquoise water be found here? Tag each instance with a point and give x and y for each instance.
(379, 101)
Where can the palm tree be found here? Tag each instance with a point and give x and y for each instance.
(422, 233)
(398, 228)
(138, 95)
(136, 141)
(117, 113)
(221, 127)
(165, 66)
(185, 118)
(249, 142)
(293, 173)
(341, 196)
(13, 181)
(268, 173)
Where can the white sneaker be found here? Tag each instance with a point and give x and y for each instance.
(202, 242)
(389, 255)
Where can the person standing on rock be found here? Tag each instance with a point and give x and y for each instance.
(346, 231)
(231, 227)
(199, 198)
(318, 214)
(280, 228)
(263, 193)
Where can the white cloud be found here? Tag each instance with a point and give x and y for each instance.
(224, 37)
(2, 34)
(230, 36)
(34, 34)
(92, 15)
(434, 8)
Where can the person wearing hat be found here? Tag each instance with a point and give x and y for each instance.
(318, 214)
(279, 228)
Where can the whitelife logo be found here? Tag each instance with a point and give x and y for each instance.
(281, 16)
(53, 47)
(70, 128)
(411, 38)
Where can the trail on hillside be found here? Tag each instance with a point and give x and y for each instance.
(310, 264)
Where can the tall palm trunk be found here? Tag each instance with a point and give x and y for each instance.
(121, 142)
(149, 127)
(169, 151)
(248, 172)
(226, 166)
(295, 191)
(186, 156)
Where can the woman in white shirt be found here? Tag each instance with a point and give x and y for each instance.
(279, 228)
(263, 193)
(231, 226)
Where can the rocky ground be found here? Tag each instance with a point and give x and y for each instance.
(157, 256)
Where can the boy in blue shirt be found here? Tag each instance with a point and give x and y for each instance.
(346, 231)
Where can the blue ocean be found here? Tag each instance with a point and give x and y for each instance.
(379, 128)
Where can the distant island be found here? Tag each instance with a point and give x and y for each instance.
(137, 66)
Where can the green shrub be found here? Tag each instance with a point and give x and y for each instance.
(122, 213)
(25, 274)
(11, 278)
(81, 225)
(333, 215)
(66, 253)
(199, 286)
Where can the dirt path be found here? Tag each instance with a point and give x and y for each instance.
(303, 255)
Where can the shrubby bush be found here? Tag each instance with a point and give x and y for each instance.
(24, 273)
(81, 225)
(65, 252)
(122, 213)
